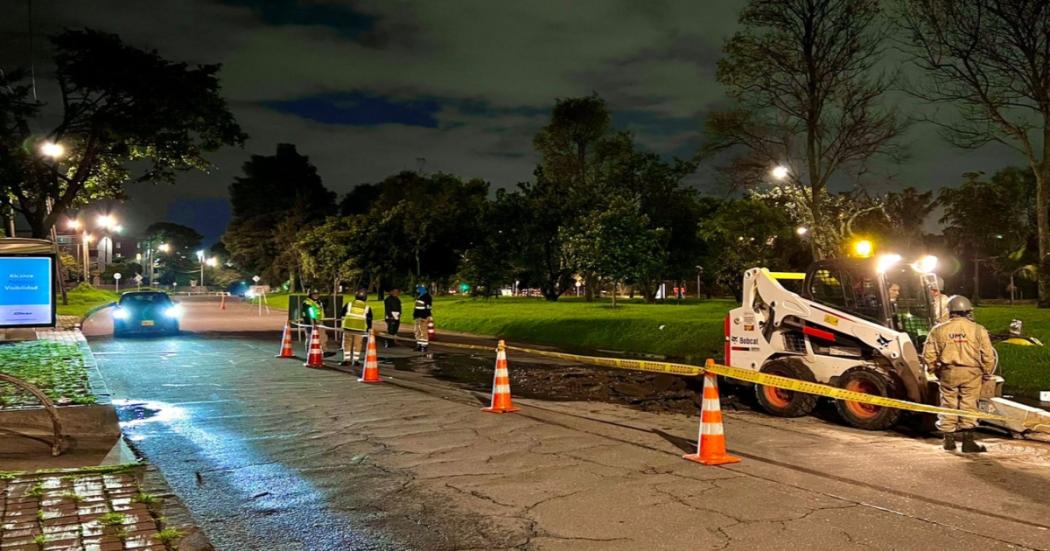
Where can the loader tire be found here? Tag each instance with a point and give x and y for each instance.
(785, 403)
(869, 381)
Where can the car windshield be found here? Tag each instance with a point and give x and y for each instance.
(145, 299)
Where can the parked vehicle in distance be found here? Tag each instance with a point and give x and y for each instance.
(146, 312)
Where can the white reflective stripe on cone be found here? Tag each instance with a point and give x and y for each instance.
(502, 389)
(710, 404)
(712, 429)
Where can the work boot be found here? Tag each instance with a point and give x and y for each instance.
(949, 441)
(969, 446)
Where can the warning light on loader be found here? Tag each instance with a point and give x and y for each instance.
(887, 261)
(863, 248)
(926, 264)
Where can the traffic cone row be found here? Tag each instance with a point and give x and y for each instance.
(501, 402)
(711, 440)
(711, 443)
(286, 343)
(370, 373)
(315, 356)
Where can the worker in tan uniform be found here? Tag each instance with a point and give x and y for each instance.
(960, 354)
(940, 302)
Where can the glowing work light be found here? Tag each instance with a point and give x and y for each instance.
(863, 248)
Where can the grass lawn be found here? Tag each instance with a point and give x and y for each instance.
(690, 330)
(1026, 368)
(83, 298)
(56, 368)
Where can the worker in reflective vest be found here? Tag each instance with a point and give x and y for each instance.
(312, 312)
(421, 314)
(356, 322)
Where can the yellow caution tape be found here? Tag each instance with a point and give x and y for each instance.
(765, 379)
(737, 373)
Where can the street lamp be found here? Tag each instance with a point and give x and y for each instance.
(85, 242)
(780, 172)
(52, 149)
(801, 231)
(200, 259)
(73, 224)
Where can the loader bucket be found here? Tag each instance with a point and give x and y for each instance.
(1026, 421)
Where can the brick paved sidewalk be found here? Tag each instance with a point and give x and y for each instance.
(82, 510)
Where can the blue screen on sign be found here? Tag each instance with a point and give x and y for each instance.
(26, 296)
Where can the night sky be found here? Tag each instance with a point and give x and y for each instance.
(365, 88)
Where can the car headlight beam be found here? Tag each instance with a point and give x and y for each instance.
(174, 311)
(120, 313)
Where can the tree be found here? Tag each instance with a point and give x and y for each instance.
(328, 252)
(179, 264)
(568, 143)
(748, 233)
(488, 263)
(906, 212)
(578, 154)
(278, 196)
(990, 60)
(360, 199)
(616, 242)
(842, 214)
(538, 210)
(990, 220)
(803, 76)
(128, 115)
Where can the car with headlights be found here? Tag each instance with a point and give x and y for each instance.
(146, 312)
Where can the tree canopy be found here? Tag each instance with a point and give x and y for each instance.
(127, 115)
(807, 91)
(278, 196)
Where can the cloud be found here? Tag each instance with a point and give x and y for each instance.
(365, 88)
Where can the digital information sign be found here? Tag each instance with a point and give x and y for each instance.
(27, 297)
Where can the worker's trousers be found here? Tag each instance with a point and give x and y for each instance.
(353, 345)
(960, 389)
(422, 337)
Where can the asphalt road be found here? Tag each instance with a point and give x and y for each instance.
(268, 454)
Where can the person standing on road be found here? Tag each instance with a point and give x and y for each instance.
(392, 306)
(940, 302)
(357, 321)
(421, 314)
(312, 312)
(959, 353)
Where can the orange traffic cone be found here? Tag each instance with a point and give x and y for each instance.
(286, 343)
(315, 357)
(370, 373)
(711, 447)
(501, 402)
(430, 329)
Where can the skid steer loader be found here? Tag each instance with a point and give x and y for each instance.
(855, 323)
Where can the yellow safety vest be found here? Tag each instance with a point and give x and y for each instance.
(311, 310)
(356, 318)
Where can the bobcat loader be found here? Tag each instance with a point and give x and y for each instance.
(858, 324)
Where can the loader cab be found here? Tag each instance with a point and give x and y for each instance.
(895, 296)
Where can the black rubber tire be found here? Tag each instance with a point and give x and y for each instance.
(883, 384)
(789, 404)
